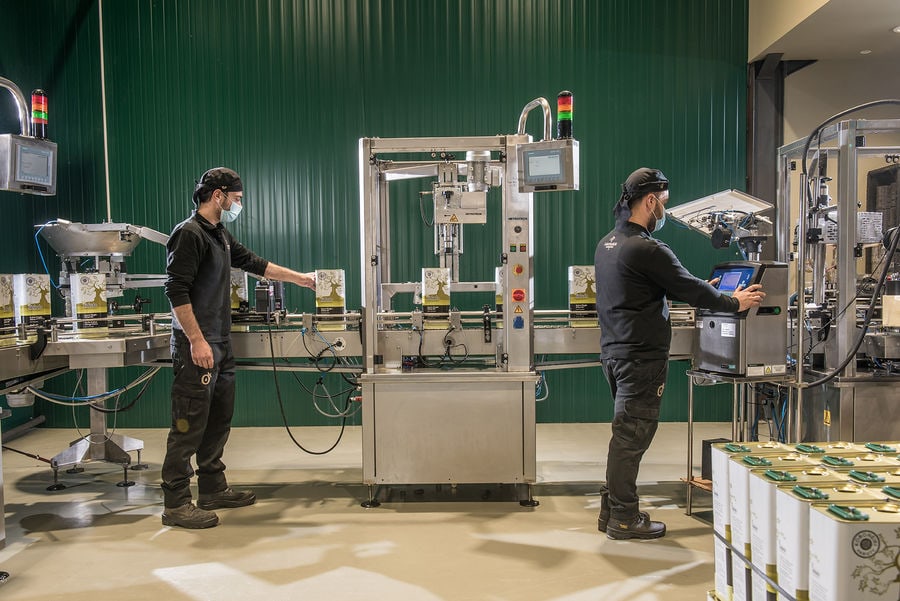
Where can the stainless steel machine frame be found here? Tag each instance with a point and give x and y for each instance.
(853, 406)
(468, 425)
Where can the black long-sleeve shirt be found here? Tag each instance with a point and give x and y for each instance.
(198, 269)
(634, 274)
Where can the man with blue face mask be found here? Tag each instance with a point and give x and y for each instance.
(635, 275)
(201, 253)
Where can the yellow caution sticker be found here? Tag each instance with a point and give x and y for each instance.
(826, 417)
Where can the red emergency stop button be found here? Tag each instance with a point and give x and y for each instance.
(518, 295)
(518, 269)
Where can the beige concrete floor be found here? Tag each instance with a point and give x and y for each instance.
(308, 538)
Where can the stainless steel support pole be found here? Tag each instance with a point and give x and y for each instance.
(689, 494)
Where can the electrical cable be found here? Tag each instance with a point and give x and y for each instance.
(422, 209)
(281, 403)
(41, 253)
(448, 346)
(818, 129)
(423, 362)
(542, 383)
(318, 356)
(340, 359)
(128, 406)
(312, 392)
(867, 318)
(816, 134)
(91, 399)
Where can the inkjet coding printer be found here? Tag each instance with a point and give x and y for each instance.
(753, 342)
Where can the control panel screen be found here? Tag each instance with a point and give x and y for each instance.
(730, 278)
(543, 166)
(34, 165)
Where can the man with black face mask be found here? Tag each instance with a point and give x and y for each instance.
(635, 275)
(201, 253)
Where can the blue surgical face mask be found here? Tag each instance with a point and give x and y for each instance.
(660, 221)
(230, 214)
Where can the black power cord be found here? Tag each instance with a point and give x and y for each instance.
(870, 311)
(281, 404)
(816, 133)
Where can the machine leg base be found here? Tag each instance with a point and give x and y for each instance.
(57, 485)
(530, 501)
(4, 576)
(126, 482)
(139, 466)
(371, 501)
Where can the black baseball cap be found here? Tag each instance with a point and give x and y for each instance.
(640, 182)
(218, 178)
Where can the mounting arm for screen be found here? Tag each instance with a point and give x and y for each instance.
(548, 117)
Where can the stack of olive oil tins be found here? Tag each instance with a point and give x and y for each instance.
(806, 522)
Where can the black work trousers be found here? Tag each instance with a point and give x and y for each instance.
(637, 386)
(202, 408)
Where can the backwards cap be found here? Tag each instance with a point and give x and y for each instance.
(218, 178)
(640, 182)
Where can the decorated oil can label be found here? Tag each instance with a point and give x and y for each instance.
(239, 292)
(89, 300)
(582, 296)
(31, 297)
(436, 293)
(854, 551)
(330, 299)
(7, 313)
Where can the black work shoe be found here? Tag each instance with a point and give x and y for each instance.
(603, 518)
(227, 498)
(189, 516)
(640, 527)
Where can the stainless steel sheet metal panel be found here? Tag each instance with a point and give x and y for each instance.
(422, 430)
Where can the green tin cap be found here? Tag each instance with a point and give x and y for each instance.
(780, 476)
(809, 448)
(866, 476)
(848, 513)
(736, 448)
(840, 461)
(880, 448)
(810, 492)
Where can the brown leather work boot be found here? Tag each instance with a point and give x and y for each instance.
(189, 516)
(227, 498)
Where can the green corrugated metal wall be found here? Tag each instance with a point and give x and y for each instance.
(281, 91)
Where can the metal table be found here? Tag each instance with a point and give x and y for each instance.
(96, 355)
(738, 418)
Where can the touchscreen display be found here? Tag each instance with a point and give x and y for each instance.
(732, 277)
(543, 166)
(33, 165)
